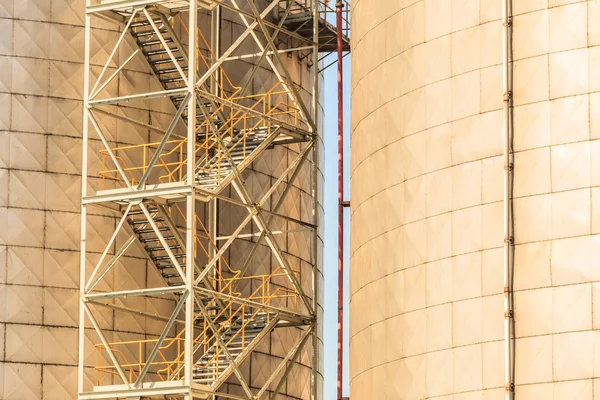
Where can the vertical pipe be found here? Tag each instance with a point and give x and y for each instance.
(508, 266)
(316, 357)
(339, 8)
(190, 234)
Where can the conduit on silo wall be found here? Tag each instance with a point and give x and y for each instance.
(509, 240)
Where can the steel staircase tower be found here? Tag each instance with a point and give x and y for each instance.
(165, 193)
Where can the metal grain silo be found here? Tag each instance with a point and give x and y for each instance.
(474, 181)
(56, 61)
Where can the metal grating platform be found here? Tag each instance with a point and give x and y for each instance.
(303, 25)
(172, 5)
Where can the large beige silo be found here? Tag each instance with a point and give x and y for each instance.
(427, 170)
(41, 91)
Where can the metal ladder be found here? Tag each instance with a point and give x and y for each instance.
(213, 363)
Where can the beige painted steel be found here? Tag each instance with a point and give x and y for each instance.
(427, 235)
(41, 75)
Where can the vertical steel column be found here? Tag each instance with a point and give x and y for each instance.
(213, 211)
(213, 206)
(340, 80)
(84, 172)
(190, 198)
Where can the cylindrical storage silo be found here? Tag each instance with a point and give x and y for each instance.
(427, 171)
(41, 108)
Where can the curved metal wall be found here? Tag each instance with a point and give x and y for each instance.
(42, 54)
(427, 235)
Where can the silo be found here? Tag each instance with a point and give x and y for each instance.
(41, 107)
(427, 241)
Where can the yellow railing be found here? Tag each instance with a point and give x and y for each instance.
(168, 363)
(133, 370)
(170, 367)
(173, 157)
(219, 76)
(233, 313)
(172, 162)
(262, 109)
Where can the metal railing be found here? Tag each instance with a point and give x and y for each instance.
(170, 367)
(327, 11)
(265, 111)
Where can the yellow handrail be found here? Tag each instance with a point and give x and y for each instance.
(172, 367)
(173, 161)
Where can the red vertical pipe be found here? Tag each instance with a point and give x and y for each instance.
(339, 5)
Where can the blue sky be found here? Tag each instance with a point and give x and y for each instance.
(330, 221)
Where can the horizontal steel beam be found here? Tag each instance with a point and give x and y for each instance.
(255, 113)
(209, 194)
(137, 393)
(287, 313)
(268, 53)
(133, 311)
(291, 219)
(134, 293)
(136, 97)
(131, 120)
(249, 235)
(276, 27)
(126, 195)
(119, 5)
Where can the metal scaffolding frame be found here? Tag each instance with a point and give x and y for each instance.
(158, 190)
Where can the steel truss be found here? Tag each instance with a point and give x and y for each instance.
(165, 193)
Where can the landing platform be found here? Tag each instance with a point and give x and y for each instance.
(303, 24)
(128, 5)
(149, 390)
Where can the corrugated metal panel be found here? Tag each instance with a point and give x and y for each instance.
(427, 235)
(41, 75)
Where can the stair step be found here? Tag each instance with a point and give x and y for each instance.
(170, 275)
(140, 231)
(150, 53)
(163, 71)
(154, 42)
(165, 266)
(165, 61)
(147, 32)
(167, 257)
(172, 80)
(210, 355)
(138, 212)
(155, 239)
(144, 221)
(144, 22)
(161, 248)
